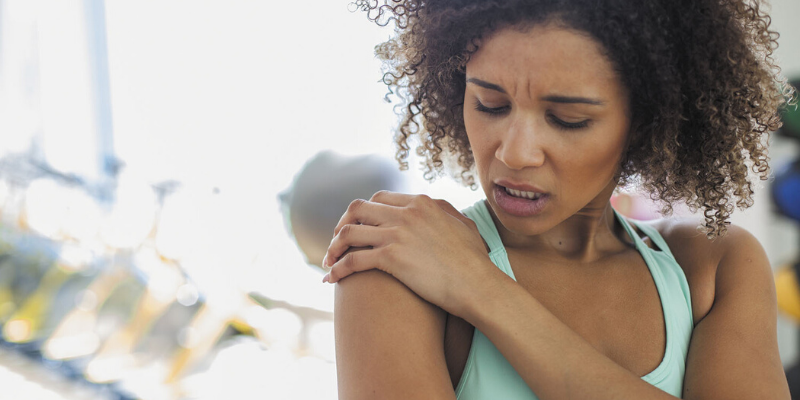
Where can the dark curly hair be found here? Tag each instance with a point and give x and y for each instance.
(705, 90)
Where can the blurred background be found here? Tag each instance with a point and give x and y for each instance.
(170, 172)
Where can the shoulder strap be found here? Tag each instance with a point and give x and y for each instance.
(480, 214)
(648, 230)
(653, 234)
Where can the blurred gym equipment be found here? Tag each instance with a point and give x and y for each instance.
(323, 189)
(786, 198)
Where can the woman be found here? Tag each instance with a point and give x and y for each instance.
(554, 104)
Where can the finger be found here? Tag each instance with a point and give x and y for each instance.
(327, 268)
(355, 236)
(405, 201)
(392, 198)
(365, 212)
(353, 262)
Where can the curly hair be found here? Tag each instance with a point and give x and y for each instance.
(705, 89)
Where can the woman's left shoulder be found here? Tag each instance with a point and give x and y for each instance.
(735, 340)
(703, 260)
(686, 240)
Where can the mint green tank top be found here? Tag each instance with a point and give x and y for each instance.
(488, 375)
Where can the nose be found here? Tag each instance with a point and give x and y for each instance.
(522, 146)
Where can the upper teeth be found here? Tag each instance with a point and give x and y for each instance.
(527, 195)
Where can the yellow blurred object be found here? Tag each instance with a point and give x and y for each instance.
(7, 305)
(201, 335)
(204, 331)
(788, 291)
(34, 310)
(116, 356)
(75, 336)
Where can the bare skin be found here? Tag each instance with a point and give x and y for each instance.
(638, 338)
(397, 338)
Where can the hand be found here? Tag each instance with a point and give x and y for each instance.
(427, 244)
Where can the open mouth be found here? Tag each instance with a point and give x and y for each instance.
(522, 194)
(519, 202)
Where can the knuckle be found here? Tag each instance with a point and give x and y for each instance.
(346, 230)
(379, 195)
(424, 202)
(424, 199)
(348, 262)
(355, 204)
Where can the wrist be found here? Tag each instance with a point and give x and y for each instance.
(480, 301)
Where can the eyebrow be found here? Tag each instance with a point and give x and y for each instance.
(551, 98)
(487, 85)
(571, 100)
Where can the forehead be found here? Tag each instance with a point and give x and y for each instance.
(545, 58)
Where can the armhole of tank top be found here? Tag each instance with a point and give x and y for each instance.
(675, 270)
(468, 366)
(654, 236)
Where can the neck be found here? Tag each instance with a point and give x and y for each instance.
(587, 236)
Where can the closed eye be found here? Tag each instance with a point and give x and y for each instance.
(564, 125)
(491, 110)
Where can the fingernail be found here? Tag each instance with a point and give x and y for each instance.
(326, 278)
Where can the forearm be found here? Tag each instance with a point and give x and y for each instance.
(554, 361)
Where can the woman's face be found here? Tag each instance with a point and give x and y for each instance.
(545, 111)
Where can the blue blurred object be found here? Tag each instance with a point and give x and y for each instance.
(786, 190)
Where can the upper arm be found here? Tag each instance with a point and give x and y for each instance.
(389, 341)
(734, 349)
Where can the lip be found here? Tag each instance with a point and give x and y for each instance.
(518, 186)
(517, 206)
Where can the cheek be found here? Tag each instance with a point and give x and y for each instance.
(598, 158)
(470, 125)
(477, 134)
(480, 142)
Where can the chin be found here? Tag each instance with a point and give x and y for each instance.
(528, 226)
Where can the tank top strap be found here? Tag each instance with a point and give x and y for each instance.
(640, 245)
(656, 237)
(483, 219)
(648, 230)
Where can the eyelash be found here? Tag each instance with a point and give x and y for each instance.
(567, 126)
(491, 111)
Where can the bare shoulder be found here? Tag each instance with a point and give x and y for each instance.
(701, 258)
(389, 341)
(734, 350)
(691, 245)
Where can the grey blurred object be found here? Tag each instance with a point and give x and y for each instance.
(322, 190)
